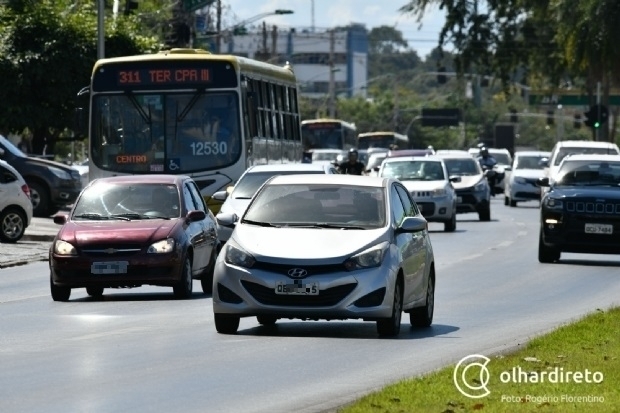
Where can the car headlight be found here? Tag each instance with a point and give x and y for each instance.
(439, 192)
(480, 186)
(161, 247)
(554, 204)
(520, 181)
(64, 248)
(236, 256)
(60, 173)
(372, 257)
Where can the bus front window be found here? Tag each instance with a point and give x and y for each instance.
(171, 133)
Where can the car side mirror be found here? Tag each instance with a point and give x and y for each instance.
(455, 178)
(508, 168)
(544, 181)
(412, 224)
(195, 215)
(544, 162)
(376, 168)
(227, 219)
(220, 195)
(60, 219)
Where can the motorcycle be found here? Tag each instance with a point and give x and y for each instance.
(494, 176)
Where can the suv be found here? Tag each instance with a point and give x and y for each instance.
(52, 184)
(15, 204)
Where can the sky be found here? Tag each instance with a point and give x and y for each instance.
(331, 13)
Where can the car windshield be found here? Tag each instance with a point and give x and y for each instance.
(325, 156)
(502, 158)
(127, 201)
(589, 173)
(462, 167)
(564, 152)
(529, 162)
(252, 181)
(375, 160)
(413, 170)
(11, 148)
(318, 205)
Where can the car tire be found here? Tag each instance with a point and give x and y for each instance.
(450, 226)
(95, 292)
(183, 289)
(423, 316)
(390, 327)
(40, 197)
(547, 255)
(59, 293)
(513, 203)
(485, 214)
(206, 281)
(226, 323)
(266, 320)
(506, 200)
(12, 225)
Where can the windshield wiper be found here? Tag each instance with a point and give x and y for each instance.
(91, 215)
(259, 223)
(128, 216)
(322, 225)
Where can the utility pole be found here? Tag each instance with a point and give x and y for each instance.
(274, 43)
(100, 29)
(218, 28)
(312, 14)
(332, 75)
(597, 133)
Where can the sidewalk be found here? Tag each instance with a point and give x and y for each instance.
(34, 245)
(41, 229)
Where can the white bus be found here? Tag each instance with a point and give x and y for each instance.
(187, 111)
(328, 134)
(387, 140)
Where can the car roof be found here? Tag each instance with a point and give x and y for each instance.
(452, 152)
(408, 152)
(532, 153)
(455, 155)
(279, 167)
(585, 144)
(355, 180)
(325, 150)
(592, 157)
(412, 158)
(144, 179)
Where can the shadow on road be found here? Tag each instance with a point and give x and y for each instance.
(589, 263)
(112, 295)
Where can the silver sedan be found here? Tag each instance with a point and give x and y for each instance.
(326, 247)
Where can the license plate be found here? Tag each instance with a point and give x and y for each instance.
(109, 267)
(599, 229)
(459, 199)
(297, 288)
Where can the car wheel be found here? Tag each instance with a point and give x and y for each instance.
(40, 197)
(184, 287)
(423, 316)
(513, 203)
(206, 281)
(266, 320)
(450, 226)
(547, 254)
(226, 323)
(485, 214)
(59, 293)
(12, 225)
(506, 200)
(96, 292)
(389, 327)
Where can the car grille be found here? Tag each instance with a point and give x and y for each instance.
(111, 250)
(428, 208)
(602, 208)
(421, 194)
(326, 298)
(311, 269)
(528, 195)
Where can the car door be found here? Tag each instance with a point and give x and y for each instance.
(8, 193)
(210, 225)
(404, 243)
(196, 233)
(417, 250)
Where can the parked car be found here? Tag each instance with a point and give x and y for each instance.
(428, 182)
(504, 162)
(580, 211)
(53, 185)
(15, 204)
(473, 191)
(521, 183)
(331, 247)
(129, 231)
(251, 181)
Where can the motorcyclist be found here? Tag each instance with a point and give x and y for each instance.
(352, 166)
(487, 163)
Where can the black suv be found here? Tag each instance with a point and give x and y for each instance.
(581, 211)
(52, 184)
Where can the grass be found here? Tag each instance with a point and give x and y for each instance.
(591, 344)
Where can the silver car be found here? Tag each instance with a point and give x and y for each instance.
(426, 178)
(251, 181)
(327, 247)
(527, 167)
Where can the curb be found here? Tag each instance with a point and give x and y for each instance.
(17, 263)
(38, 237)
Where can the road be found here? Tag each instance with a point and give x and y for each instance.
(140, 350)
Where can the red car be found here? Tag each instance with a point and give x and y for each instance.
(129, 231)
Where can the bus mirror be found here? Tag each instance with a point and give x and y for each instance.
(79, 123)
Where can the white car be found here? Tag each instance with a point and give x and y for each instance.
(236, 199)
(15, 204)
(427, 180)
(527, 167)
(325, 156)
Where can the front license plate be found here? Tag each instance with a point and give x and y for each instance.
(109, 267)
(599, 229)
(297, 288)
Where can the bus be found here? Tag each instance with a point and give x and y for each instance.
(188, 111)
(387, 140)
(328, 134)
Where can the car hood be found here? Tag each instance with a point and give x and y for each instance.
(281, 244)
(81, 233)
(467, 181)
(528, 173)
(46, 162)
(423, 185)
(602, 192)
(235, 206)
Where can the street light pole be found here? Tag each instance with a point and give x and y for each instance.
(100, 29)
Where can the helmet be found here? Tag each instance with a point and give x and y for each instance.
(484, 151)
(352, 152)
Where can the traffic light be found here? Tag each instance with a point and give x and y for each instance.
(596, 116)
(514, 118)
(577, 121)
(441, 77)
(130, 6)
(550, 117)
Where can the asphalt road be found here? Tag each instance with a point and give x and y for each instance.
(141, 350)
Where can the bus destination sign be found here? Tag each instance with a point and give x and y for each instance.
(163, 76)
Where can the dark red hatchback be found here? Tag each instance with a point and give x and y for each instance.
(129, 231)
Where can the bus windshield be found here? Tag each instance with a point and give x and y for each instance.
(386, 141)
(165, 132)
(322, 136)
